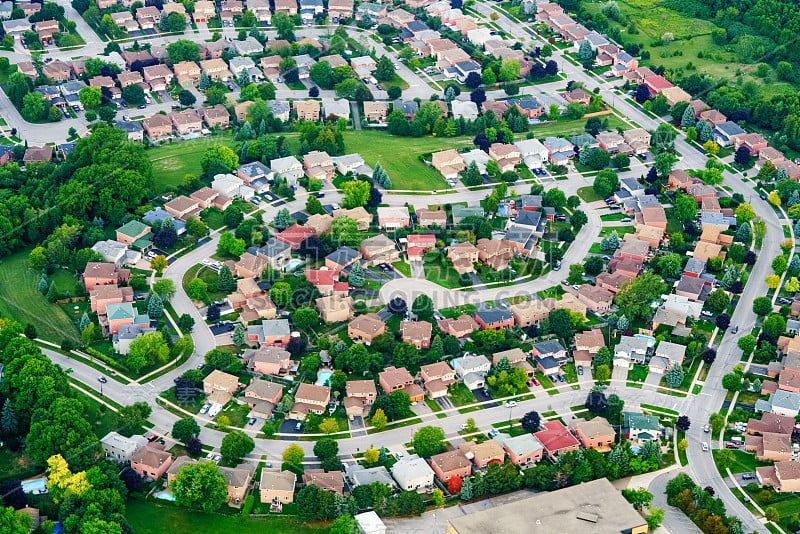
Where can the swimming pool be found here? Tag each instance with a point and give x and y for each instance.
(165, 496)
(293, 264)
(651, 341)
(324, 377)
(35, 485)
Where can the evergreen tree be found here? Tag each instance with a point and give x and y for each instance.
(781, 175)
(472, 176)
(44, 283)
(585, 51)
(84, 321)
(238, 334)
(743, 234)
(205, 81)
(652, 449)
(283, 219)
(356, 278)
(449, 94)
(9, 425)
(688, 118)
(155, 306)
(674, 376)
(225, 282)
(467, 489)
(52, 292)
(380, 177)
(622, 323)
(794, 199)
(704, 132)
(436, 352)
(794, 265)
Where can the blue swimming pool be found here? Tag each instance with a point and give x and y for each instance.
(293, 264)
(324, 377)
(35, 485)
(165, 496)
(651, 341)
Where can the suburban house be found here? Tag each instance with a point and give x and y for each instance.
(157, 127)
(516, 357)
(639, 428)
(271, 332)
(102, 296)
(119, 449)
(394, 379)
(507, 156)
(451, 464)
(413, 473)
(556, 439)
(379, 249)
(769, 446)
(376, 111)
(287, 168)
(463, 255)
(277, 487)
(365, 328)
(101, 274)
(784, 476)
(418, 333)
(630, 350)
(362, 393)
(494, 318)
(151, 461)
(268, 360)
(327, 480)
(307, 110)
(587, 345)
(359, 214)
(596, 298)
(436, 378)
(393, 217)
(276, 253)
(459, 327)
(310, 398)
(133, 232)
(666, 355)
(471, 370)
(335, 308)
(319, 165)
(595, 434)
(295, 235)
(523, 450)
(262, 397)
(449, 163)
(341, 258)
(483, 454)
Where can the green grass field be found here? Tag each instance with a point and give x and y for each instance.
(172, 162)
(744, 462)
(399, 156)
(21, 300)
(152, 518)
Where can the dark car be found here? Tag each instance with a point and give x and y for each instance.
(102, 379)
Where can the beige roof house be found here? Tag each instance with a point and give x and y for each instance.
(448, 162)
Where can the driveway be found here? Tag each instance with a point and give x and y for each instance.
(445, 403)
(357, 427)
(619, 374)
(417, 270)
(482, 396)
(288, 427)
(653, 378)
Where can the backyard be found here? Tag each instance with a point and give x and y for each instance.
(21, 299)
(151, 518)
(174, 161)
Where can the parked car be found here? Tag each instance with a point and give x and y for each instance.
(707, 429)
(298, 427)
(748, 476)
(252, 421)
(535, 381)
(492, 433)
(560, 378)
(576, 287)
(580, 370)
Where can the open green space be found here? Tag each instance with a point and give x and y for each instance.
(171, 162)
(153, 518)
(208, 276)
(692, 42)
(565, 128)
(399, 156)
(21, 300)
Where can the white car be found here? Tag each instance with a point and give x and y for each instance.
(705, 447)
(511, 404)
(576, 287)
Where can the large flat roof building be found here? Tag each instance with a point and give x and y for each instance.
(596, 507)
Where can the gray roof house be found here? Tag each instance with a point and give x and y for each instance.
(557, 144)
(339, 108)
(277, 253)
(132, 128)
(343, 256)
(464, 108)
(5, 10)
(249, 46)
(472, 370)
(359, 475)
(288, 168)
(630, 349)
(352, 163)
(671, 351)
(280, 109)
(551, 347)
(116, 252)
(269, 328)
(725, 132)
(159, 214)
(412, 473)
(124, 337)
(120, 449)
(480, 158)
(71, 87)
(781, 403)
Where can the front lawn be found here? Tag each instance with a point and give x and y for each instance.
(209, 277)
(157, 518)
(638, 373)
(461, 396)
(744, 462)
(445, 276)
(21, 300)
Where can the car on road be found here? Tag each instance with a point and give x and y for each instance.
(143, 106)
(557, 266)
(492, 433)
(606, 258)
(463, 426)
(705, 446)
(762, 196)
(734, 330)
(564, 283)
(511, 404)
(102, 379)
(707, 429)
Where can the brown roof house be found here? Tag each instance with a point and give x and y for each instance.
(310, 398)
(597, 299)
(426, 217)
(393, 217)
(451, 464)
(359, 395)
(220, 386)
(770, 447)
(103, 274)
(268, 360)
(463, 255)
(327, 480)
(783, 476)
(216, 117)
(459, 327)
(483, 454)
(319, 165)
(494, 253)
(595, 434)
(307, 110)
(394, 379)
(366, 327)
(436, 378)
(507, 156)
(277, 487)
(151, 461)
(359, 214)
(418, 333)
(379, 249)
(376, 111)
(262, 397)
(335, 308)
(448, 162)
(157, 127)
